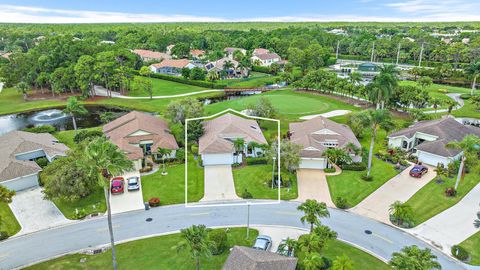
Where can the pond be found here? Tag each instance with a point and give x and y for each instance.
(56, 118)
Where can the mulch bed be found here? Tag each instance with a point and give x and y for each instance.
(36, 94)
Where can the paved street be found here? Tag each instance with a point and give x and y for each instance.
(383, 241)
(399, 188)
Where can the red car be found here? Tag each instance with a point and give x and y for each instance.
(117, 186)
(418, 171)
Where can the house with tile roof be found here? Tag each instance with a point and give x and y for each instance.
(20, 149)
(428, 140)
(253, 259)
(216, 146)
(229, 51)
(197, 54)
(319, 134)
(171, 66)
(266, 59)
(139, 135)
(219, 66)
(147, 55)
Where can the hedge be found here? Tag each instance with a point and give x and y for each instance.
(184, 81)
(256, 161)
(41, 129)
(261, 69)
(354, 167)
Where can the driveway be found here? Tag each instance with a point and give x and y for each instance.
(219, 185)
(34, 213)
(278, 233)
(399, 188)
(453, 225)
(312, 184)
(129, 200)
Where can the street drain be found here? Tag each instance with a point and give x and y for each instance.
(149, 219)
(368, 232)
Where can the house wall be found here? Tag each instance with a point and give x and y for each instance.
(434, 160)
(313, 163)
(22, 183)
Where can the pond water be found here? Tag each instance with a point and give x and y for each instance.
(56, 118)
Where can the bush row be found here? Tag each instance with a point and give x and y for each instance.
(354, 167)
(262, 69)
(256, 160)
(185, 81)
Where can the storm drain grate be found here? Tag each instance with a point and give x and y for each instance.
(368, 232)
(149, 219)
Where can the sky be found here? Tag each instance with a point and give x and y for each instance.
(103, 11)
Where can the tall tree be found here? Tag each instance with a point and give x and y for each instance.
(164, 153)
(85, 74)
(196, 242)
(414, 258)
(313, 211)
(74, 108)
(401, 212)
(103, 159)
(470, 146)
(474, 70)
(342, 263)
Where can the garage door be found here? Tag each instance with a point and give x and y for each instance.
(430, 159)
(313, 163)
(217, 159)
(22, 182)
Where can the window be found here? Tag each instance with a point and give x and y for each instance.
(405, 144)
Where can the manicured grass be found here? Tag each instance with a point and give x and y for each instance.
(472, 244)
(431, 200)
(257, 180)
(93, 203)
(350, 185)
(468, 110)
(361, 260)
(171, 188)
(436, 90)
(66, 136)
(152, 253)
(11, 101)
(8, 222)
(290, 105)
(164, 88)
(256, 79)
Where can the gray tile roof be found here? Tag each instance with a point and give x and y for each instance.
(446, 129)
(245, 258)
(19, 142)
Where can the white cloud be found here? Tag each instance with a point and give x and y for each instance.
(413, 10)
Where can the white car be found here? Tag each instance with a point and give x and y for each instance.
(263, 242)
(133, 183)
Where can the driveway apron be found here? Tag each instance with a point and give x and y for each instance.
(129, 200)
(312, 184)
(219, 185)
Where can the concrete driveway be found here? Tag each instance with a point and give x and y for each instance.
(34, 213)
(399, 188)
(453, 225)
(129, 200)
(312, 184)
(278, 233)
(219, 185)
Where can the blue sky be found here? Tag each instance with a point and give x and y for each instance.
(85, 11)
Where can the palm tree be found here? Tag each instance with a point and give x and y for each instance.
(355, 77)
(401, 212)
(238, 144)
(104, 159)
(212, 76)
(342, 263)
(474, 70)
(195, 240)
(74, 108)
(450, 104)
(337, 156)
(412, 257)
(289, 245)
(475, 101)
(163, 152)
(476, 223)
(312, 261)
(313, 210)
(376, 119)
(470, 146)
(386, 82)
(436, 102)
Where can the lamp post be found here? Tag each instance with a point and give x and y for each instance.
(248, 219)
(273, 170)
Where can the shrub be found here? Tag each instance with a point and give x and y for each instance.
(256, 161)
(246, 194)
(341, 203)
(329, 170)
(358, 166)
(42, 162)
(180, 155)
(41, 129)
(327, 263)
(465, 96)
(367, 178)
(154, 202)
(79, 214)
(3, 235)
(450, 192)
(261, 69)
(460, 253)
(146, 169)
(443, 90)
(219, 240)
(87, 134)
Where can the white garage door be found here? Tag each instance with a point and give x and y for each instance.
(217, 159)
(430, 159)
(22, 182)
(313, 163)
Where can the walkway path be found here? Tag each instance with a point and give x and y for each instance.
(102, 91)
(453, 225)
(92, 233)
(327, 114)
(312, 184)
(454, 96)
(399, 188)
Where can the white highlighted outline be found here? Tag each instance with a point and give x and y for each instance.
(230, 203)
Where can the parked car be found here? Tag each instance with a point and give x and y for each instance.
(117, 186)
(133, 183)
(283, 249)
(418, 171)
(263, 242)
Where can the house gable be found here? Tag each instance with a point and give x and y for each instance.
(139, 133)
(325, 131)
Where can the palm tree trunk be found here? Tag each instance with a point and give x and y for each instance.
(311, 227)
(74, 123)
(370, 153)
(110, 227)
(460, 172)
(474, 84)
(197, 263)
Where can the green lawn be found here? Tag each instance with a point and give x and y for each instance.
(151, 253)
(164, 88)
(8, 222)
(468, 110)
(11, 101)
(361, 260)
(256, 79)
(430, 200)
(257, 180)
(350, 185)
(66, 136)
(171, 188)
(93, 203)
(472, 244)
